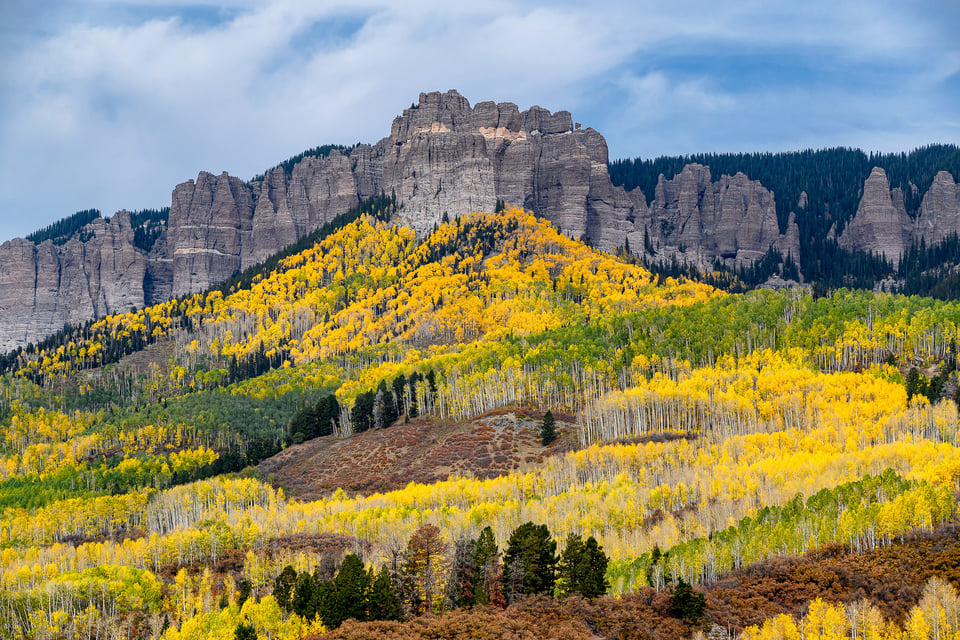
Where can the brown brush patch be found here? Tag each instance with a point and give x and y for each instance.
(423, 450)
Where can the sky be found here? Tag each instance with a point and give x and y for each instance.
(109, 104)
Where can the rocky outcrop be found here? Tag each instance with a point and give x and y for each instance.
(442, 158)
(789, 243)
(734, 219)
(316, 190)
(446, 158)
(939, 211)
(209, 228)
(43, 287)
(881, 224)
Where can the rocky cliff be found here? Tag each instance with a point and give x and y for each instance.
(881, 223)
(209, 230)
(443, 157)
(883, 226)
(734, 219)
(44, 286)
(940, 210)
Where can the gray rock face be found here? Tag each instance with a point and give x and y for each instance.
(734, 219)
(445, 157)
(442, 157)
(789, 243)
(881, 223)
(209, 228)
(939, 211)
(43, 287)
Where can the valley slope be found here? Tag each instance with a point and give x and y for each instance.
(700, 433)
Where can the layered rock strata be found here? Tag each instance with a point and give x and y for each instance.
(939, 211)
(881, 224)
(45, 286)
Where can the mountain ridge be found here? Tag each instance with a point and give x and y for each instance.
(442, 159)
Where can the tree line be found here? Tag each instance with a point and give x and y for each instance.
(64, 229)
(431, 576)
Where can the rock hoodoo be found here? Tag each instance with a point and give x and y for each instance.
(939, 211)
(881, 223)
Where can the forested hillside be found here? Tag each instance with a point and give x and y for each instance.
(705, 438)
(62, 230)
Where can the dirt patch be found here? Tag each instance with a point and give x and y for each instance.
(140, 362)
(423, 450)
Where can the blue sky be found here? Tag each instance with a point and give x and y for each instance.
(109, 104)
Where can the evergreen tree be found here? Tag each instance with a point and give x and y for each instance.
(328, 415)
(548, 432)
(592, 574)
(304, 601)
(283, 586)
(304, 425)
(399, 389)
(412, 408)
(389, 407)
(362, 414)
(64, 229)
(347, 596)
(245, 588)
(686, 603)
(913, 383)
(582, 568)
(464, 575)
(530, 560)
(384, 603)
(568, 565)
(245, 631)
(487, 561)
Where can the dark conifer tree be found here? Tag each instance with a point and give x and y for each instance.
(487, 561)
(384, 603)
(283, 586)
(399, 391)
(245, 631)
(530, 556)
(465, 575)
(348, 594)
(328, 415)
(412, 408)
(687, 603)
(305, 599)
(362, 414)
(548, 432)
(388, 407)
(582, 567)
